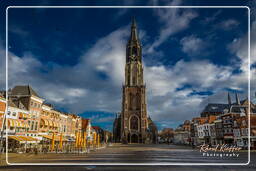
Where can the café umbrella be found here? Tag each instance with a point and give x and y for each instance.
(53, 136)
(60, 141)
(84, 144)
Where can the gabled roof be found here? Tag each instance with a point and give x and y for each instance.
(237, 109)
(85, 122)
(11, 103)
(48, 104)
(98, 129)
(23, 90)
(215, 108)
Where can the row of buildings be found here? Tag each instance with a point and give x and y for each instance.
(220, 124)
(30, 119)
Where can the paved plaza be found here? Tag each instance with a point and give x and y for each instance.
(131, 154)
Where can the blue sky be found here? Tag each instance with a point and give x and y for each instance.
(75, 58)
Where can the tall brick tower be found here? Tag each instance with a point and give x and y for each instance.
(134, 119)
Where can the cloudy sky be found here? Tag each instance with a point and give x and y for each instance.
(74, 58)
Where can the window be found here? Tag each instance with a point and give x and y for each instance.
(9, 112)
(134, 50)
(134, 123)
(32, 125)
(14, 114)
(36, 126)
(31, 103)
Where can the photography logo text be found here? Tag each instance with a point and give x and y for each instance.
(221, 151)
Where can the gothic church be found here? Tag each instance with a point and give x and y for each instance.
(133, 125)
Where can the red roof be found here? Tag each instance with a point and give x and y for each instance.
(96, 127)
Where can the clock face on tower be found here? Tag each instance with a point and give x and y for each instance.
(133, 57)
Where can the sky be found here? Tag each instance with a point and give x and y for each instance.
(75, 58)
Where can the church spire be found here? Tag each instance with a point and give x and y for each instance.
(134, 34)
(229, 99)
(237, 99)
(133, 48)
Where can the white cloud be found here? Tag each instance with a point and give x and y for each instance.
(202, 74)
(228, 24)
(75, 92)
(192, 45)
(173, 21)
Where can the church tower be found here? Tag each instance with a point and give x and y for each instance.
(134, 119)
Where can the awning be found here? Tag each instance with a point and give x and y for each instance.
(23, 115)
(18, 124)
(55, 124)
(26, 125)
(23, 124)
(11, 123)
(23, 139)
(50, 123)
(26, 115)
(56, 137)
(45, 122)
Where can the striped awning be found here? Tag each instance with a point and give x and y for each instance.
(23, 139)
(18, 124)
(26, 125)
(23, 115)
(55, 124)
(56, 137)
(23, 125)
(50, 123)
(46, 122)
(11, 123)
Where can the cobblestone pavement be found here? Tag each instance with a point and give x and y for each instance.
(133, 153)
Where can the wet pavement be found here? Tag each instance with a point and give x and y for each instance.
(155, 155)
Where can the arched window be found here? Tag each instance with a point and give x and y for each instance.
(134, 50)
(134, 123)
